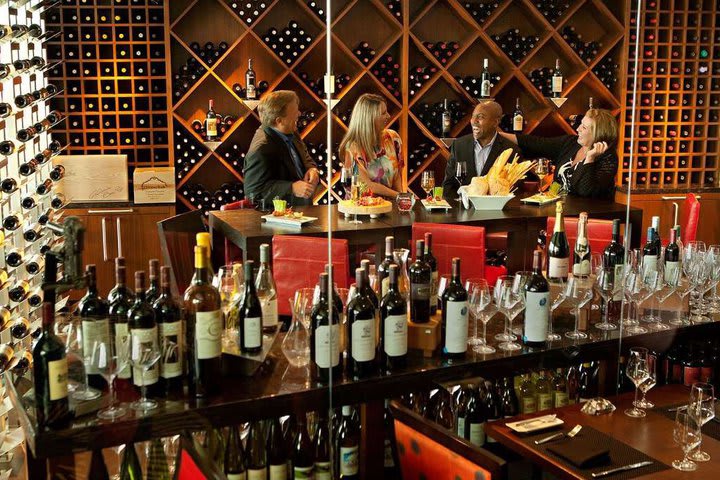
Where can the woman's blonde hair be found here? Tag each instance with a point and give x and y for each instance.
(361, 132)
(604, 126)
(274, 105)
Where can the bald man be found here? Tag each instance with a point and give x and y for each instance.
(479, 149)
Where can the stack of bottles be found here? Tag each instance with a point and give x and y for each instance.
(552, 9)
(443, 51)
(209, 53)
(241, 91)
(585, 50)
(481, 9)
(248, 10)
(306, 118)
(318, 8)
(395, 7)
(318, 85)
(387, 69)
(515, 45)
(319, 153)
(189, 73)
(235, 156)
(607, 71)
(473, 85)
(419, 155)
(202, 199)
(288, 42)
(542, 78)
(223, 124)
(430, 114)
(419, 76)
(364, 52)
(188, 151)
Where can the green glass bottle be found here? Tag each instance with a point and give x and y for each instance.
(130, 466)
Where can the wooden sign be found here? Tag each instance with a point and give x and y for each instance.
(94, 178)
(154, 185)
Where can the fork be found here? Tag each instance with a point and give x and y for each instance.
(569, 434)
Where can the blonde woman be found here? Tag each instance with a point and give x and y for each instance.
(373, 151)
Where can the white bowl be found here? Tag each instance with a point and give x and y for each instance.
(490, 202)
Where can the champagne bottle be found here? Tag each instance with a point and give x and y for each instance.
(321, 448)
(650, 252)
(430, 259)
(361, 331)
(130, 466)
(392, 347)
(120, 283)
(211, 122)
(420, 286)
(256, 452)
(119, 308)
(143, 328)
(537, 305)
(203, 328)
(485, 80)
(154, 277)
(277, 454)
(266, 291)
(235, 456)
(367, 289)
(170, 326)
(348, 447)
(557, 80)
(302, 457)
(52, 409)
(325, 337)
(157, 466)
(383, 270)
(454, 315)
(558, 249)
(672, 260)
(98, 469)
(581, 253)
(518, 119)
(446, 125)
(94, 314)
(250, 80)
(250, 328)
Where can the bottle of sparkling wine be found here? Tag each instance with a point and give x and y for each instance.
(581, 253)
(235, 456)
(558, 248)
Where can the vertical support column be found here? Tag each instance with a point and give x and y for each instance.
(372, 446)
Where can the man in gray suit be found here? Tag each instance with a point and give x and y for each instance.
(477, 150)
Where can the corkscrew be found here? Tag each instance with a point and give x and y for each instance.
(69, 254)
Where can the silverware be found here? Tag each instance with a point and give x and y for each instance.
(632, 466)
(544, 419)
(570, 434)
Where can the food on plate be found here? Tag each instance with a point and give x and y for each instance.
(501, 177)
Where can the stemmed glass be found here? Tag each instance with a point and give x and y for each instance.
(647, 384)
(77, 345)
(542, 169)
(109, 358)
(483, 308)
(692, 254)
(471, 284)
(144, 354)
(683, 289)
(578, 291)
(667, 283)
(699, 275)
(637, 371)
(702, 407)
(636, 291)
(460, 176)
(506, 335)
(713, 257)
(557, 297)
(304, 299)
(427, 182)
(346, 181)
(686, 433)
(606, 286)
(510, 302)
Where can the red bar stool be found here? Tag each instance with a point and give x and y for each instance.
(599, 232)
(234, 253)
(298, 261)
(450, 241)
(690, 218)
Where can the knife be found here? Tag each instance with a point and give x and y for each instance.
(632, 466)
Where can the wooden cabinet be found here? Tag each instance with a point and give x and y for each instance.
(129, 231)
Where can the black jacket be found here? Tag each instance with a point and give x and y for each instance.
(463, 150)
(269, 169)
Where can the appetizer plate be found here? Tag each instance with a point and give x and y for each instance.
(288, 221)
(541, 199)
(436, 204)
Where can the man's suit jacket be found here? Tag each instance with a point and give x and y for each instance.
(269, 169)
(463, 150)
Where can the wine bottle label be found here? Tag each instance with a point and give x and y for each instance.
(434, 290)
(58, 378)
(560, 399)
(322, 471)
(94, 330)
(388, 460)
(477, 434)
(278, 472)
(649, 263)
(211, 127)
(420, 291)
(363, 340)
(557, 83)
(537, 312)
(395, 335)
(581, 267)
(619, 275)
(121, 342)
(236, 476)
(257, 474)
(302, 473)
(518, 123)
(139, 338)
(671, 273)
(250, 92)
(529, 405)
(269, 311)
(461, 427)
(324, 356)
(545, 401)
(558, 267)
(456, 328)
(349, 460)
(171, 360)
(485, 88)
(446, 122)
(208, 334)
(385, 286)
(252, 330)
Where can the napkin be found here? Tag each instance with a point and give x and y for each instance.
(581, 452)
(463, 194)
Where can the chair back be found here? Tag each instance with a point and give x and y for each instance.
(298, 261)
(192, 462)
(690, 218)
(177, 240)
(599, 232)
(450, 241)
(233, 253)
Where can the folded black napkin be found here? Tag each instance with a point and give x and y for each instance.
(581, 452)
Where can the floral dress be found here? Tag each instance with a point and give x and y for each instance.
(387, 161)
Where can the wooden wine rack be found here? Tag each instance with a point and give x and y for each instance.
(371, 21)
(677, 131)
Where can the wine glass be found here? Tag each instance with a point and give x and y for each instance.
(109, 358)
(606, 287)
(682, 289)
(144, 354)
(78, 345)
(229, 283)
(702, 407)
(542, 169)
(460, 176)
(667, 284)
(636, 291)
(346, 180)
(713, 257)
(470, 285)
(482, 308)
(296, 344)
(637, 371)
(686, 433)
(510, 302)
(692, 253)
(304, 301)
(427, 182)
(506, 335)
(700, 273)
(557, 297)
(578, 291)
(647, 384)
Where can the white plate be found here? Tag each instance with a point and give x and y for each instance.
(490, 202)
(442, 204)
(287, 221)
(535, 424)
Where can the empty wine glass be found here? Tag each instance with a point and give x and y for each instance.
(296, 344)
(693, 252)
(510, 302)
(636, 291)
(667, 284)
(483, 308)
(78, 345)
(637, 371)
(606, 287)
(713, 257)
(702, 407)
(699, 275)
(557, 297)
(470, 285)
(109, 358)
(506, 335)
(686, 433)
(144, 355)
(578, 292)
(647, 384)
(682, 289)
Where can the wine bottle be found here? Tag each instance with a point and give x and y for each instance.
(52, 409)
(656, 235)
(214, 445)
(393, 344)
(560, 390)
(203, 328)
(430, 259)
(558, 249)
(14, 258)
(130, 467)
(581, 253)
(614, 254)
(508, 400)
(57, 173)
(672, 259)
(143, 328)
(454, 315)
(98, 469)
(493, 408)
(277, 454)
(650, 252)
(557, 80)
(537, 305)
(485, 80)
(266, 290)
(250, 86)
(383, 270)
(446, 125)
(235, 456)
(528, 402)
(153, 290)
(518, 120)
(543, 392)
(120, 287)
(367, 288)
(250, 328)
(7, 147)
(321, 448)
(169, 319)
(348, 446)
(13, 221)
(211, 123)
(475, 419)
(19, 328)
(302, 457)
(157, 465)
(325, 337)
(118, 310)
(360, 331)
(94, 313)
(203, 239)
(420, 286)
(256, 452)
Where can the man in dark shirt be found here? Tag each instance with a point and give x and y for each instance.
(478, 150)
(277, 163)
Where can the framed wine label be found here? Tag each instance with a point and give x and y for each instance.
(94, 178)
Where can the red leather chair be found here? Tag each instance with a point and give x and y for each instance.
(450, 241)
(690, 218)
(298, 261)
(233, 253)
(599, 232)
(192, 463)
